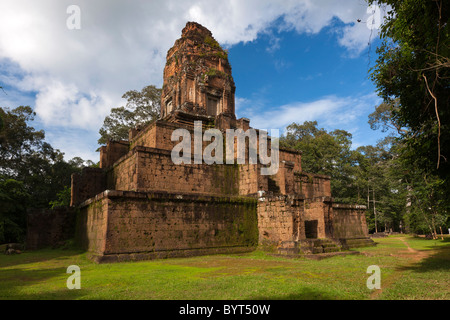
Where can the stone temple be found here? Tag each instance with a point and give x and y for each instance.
(139, 204)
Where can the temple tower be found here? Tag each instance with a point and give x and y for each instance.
(197, 78)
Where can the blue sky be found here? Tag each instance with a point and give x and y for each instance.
(292, 61)
(305, 78)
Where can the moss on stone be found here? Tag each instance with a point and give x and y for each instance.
(226, 179)
(210, 41)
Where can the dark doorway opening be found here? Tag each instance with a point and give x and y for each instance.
(212, 106)
(311, 229)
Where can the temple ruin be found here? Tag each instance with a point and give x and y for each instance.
(141, 205)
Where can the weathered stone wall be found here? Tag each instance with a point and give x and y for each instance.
(319, 211)
(312, 185)
(91, 224)
(279, 219)
(112, 152)
(284, 178)
(158, 135)
(121, 225)
(250, 179)
(49, 227)
(292, 156)
(87, 184)
(149, 169)
(123, 175)
(349, 221)
(148, 166)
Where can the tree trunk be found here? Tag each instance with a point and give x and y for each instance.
(374, 211)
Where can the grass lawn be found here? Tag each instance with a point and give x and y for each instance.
(411, 268)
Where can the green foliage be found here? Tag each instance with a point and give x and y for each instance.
(25, 156)
(32, 173)
(384, 117)
(142, 108)
(326, 153)
(222, 55)
(413, 72)
(212, 42)
(63, 198)
(14, 200)
(213, 72)
(381, 176)
(412, 76)
(19, 141)
(427, 208)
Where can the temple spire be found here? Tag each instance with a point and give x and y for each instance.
(197, 76)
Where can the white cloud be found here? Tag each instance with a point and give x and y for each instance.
(76, 142)
(356, 38)
(331, 112)
(78, 75)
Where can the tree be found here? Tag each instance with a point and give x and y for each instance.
(14, 200)
(63, 198)
(32, 173)
(326, 153)
(412, 76)
(25, 156)
(407, 193)
(382, 175)
(384, 118)
(412, 72)
(19, 141)
(142, 108)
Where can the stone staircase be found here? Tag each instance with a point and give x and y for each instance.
(313, 246)
(356, 243)
(308, 246)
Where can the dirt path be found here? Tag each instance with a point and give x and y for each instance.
(416, 255)
(411, 253)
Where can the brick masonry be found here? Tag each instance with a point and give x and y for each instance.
(126, 225)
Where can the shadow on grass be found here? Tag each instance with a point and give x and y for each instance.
(21, 275)
(16, 284)
(439, 260)
(305, 294)
(34, 256)
(60, 294)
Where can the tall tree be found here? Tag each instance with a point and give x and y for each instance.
(412, 73)
(142, 108)
(382, 177)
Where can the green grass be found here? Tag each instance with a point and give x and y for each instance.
(419, 273)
